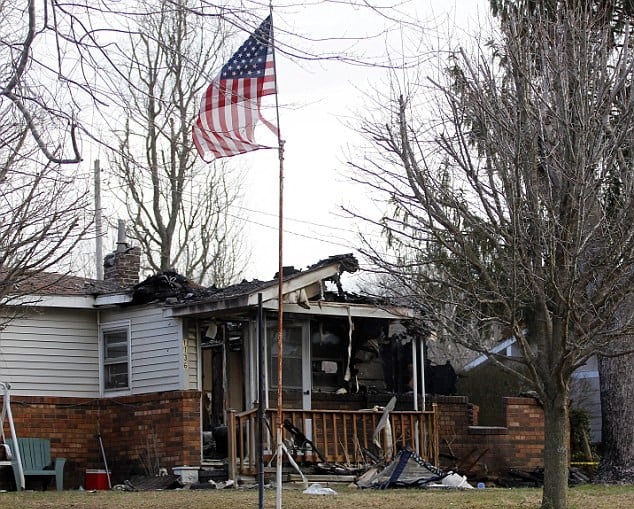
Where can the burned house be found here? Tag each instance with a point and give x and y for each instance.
(166, 372)
(341, 352)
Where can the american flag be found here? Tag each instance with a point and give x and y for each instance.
(230, 107)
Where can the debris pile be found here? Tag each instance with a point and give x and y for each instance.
(528, 479)
(408, 469)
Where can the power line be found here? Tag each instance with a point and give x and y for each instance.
(269, 214)
(347, 246)
(286, 218)
(303, 221)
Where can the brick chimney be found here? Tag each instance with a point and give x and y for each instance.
(122, 266)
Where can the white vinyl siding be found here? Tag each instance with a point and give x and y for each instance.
(156, 349)
(51, 352)
(56, 352)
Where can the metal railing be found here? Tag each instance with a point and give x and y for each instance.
(6, 413)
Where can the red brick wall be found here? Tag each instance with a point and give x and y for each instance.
(486, 449)
(170, 422)
(167, 422)
(525, 422)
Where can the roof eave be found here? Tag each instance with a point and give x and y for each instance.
(54, 301)
(111, 299)
(202, 308)
(354, 310)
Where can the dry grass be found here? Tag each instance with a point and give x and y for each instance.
(585, 497)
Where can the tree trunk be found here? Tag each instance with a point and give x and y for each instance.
(556, 450)
(617, 408)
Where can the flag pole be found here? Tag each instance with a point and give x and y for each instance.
(229, 110)
(280, 334)
(280, 291)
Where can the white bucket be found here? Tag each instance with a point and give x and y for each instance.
(188, 475)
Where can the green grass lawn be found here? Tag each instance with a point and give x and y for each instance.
(584, 497)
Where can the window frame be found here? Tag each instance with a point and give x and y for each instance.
(122, 326)
(306, 389)
(336, 353)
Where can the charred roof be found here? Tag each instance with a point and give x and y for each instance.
(174, 288)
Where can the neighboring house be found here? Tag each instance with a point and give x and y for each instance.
(584, 389)
(165, 372)
(585, 393)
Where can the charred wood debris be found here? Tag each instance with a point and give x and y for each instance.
(408, 469)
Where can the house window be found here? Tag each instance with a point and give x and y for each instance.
(292, 364)
(116, 357)
(327, 354)
(295, 382)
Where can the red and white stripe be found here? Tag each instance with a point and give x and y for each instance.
(229, 111)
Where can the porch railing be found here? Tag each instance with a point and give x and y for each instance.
(341, 436)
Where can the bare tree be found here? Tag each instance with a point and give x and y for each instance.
(502, 202)
(42, 205)
(23, 27)
(60, 78)
(43, 211)
(616, 379)
(180, 210)
(50, 56)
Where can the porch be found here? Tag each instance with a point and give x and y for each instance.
(343, 437)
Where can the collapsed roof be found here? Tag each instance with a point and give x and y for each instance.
(315, 290)
(303, 291)
(175, 288)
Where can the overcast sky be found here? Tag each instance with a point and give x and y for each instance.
(317, 101)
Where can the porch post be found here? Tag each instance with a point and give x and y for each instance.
(231, 439)
(415, 394)
(261, 368)
(415, 374)
(422, 370)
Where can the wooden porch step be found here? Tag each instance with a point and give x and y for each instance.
(216, 472)
(322, 478)
(214, 463)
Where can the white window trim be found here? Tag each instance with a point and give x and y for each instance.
(107, 327)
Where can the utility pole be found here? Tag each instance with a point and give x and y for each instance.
(98, 225)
